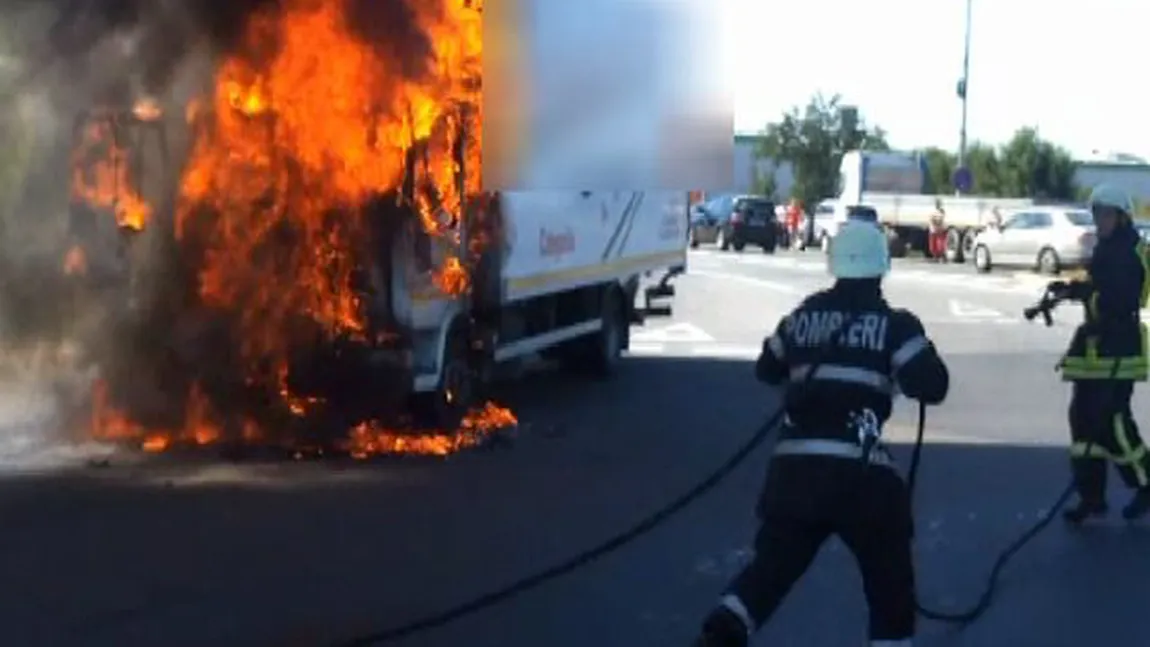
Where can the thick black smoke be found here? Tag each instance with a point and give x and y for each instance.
(164, 32)
(390, 26)
(158, 33)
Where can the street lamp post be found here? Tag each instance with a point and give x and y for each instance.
(962, 90)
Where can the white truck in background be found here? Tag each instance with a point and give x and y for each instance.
(893, 184)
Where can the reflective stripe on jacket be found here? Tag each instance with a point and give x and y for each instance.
(1112, 343)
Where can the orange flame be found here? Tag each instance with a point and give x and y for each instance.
(289, 147)
(100, 177)
(75, 261)
(311, 141)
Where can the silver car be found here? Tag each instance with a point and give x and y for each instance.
(1049, 239)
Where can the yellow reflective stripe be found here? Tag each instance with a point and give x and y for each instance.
(1102, 367)
(1088, 450)
(1091, 350)
(1144, 257)
(1092, 367)
(1130, 456)
(1132, 376)
(1105, 363)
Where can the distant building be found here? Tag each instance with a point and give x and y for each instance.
(746, 166)
(1128, 172)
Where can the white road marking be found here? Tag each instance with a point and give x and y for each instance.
(698, 351)
(645, 349)
(680, 332)
(971, 322)
(967, 310)
(750, 280)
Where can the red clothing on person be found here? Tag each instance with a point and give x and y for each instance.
(794, 216)
(937, 236)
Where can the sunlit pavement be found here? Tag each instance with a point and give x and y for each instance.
(195, 553)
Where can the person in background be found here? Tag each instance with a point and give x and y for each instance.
(937, 234)
(794, 222)
(1106, 358)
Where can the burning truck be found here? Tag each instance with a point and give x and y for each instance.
(306, 256)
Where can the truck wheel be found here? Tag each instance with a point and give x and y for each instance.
(968, 237)
(954, 246)
(606, 349)
(894, 243)
(1048, 262)
(446, 407)
(982, 259)
(739, 245)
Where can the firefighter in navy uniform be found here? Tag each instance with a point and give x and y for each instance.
(1107, 355)
(830, 475)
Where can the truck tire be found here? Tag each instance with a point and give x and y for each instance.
(897, 248)
(895, 243)
(968, 237)
(739, 245)
(954, 251)
(606, 348)
(446, 407)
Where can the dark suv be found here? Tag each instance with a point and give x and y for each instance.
(739, 220)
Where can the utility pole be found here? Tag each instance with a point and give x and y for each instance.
(962, 88)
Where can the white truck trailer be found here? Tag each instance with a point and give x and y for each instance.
(560, 276)
(893, 184)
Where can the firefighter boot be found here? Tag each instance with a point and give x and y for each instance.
(1083, 510)
(722, 629)
(1090, 482)
(1138, 506)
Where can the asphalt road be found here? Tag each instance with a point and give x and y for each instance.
(180, 552)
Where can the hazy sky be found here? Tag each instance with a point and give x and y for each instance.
(1076, 70)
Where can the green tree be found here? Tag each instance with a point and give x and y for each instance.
(766, 184)
(1034, 167)
(813, 139)
(940, 166)
(985, 169)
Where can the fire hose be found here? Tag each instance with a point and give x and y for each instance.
(717, 476)
(1045, 307)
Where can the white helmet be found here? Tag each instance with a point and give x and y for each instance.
(858, 251)
(1107, 195)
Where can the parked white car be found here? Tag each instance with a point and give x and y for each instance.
(1048, 239)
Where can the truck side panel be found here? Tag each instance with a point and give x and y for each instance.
(908, 210)
(562, 240)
